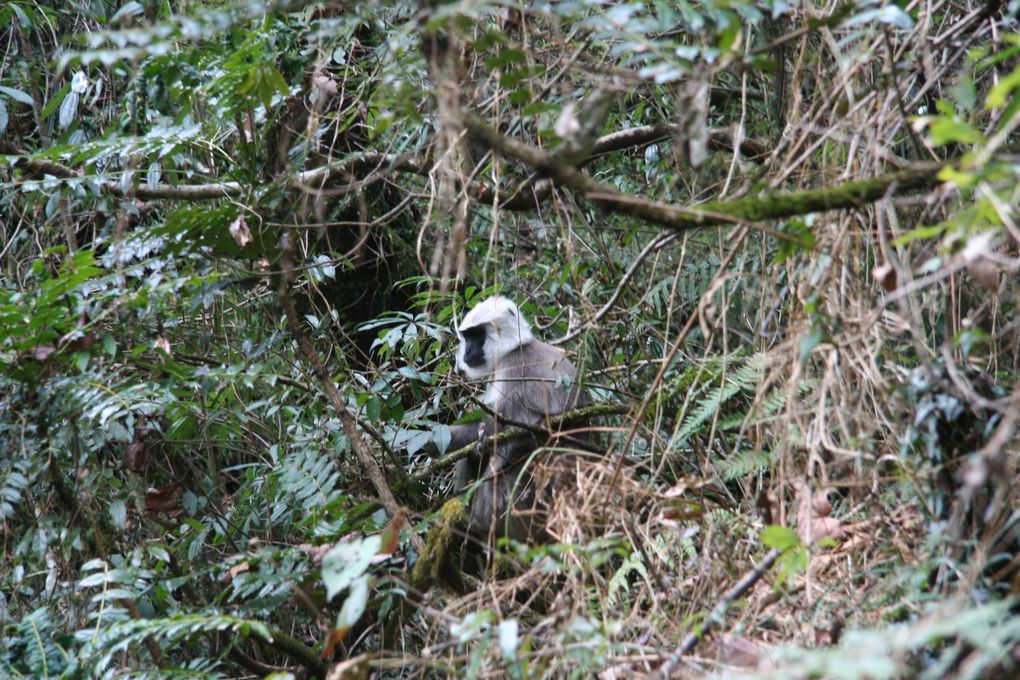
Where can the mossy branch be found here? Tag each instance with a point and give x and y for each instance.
(448, 460)
(768, 206)
(297, 650)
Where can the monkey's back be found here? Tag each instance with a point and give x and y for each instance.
(532, 385)
(534, 382)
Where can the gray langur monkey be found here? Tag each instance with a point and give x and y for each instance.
(529, 381)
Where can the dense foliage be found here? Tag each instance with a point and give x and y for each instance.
(779, 239)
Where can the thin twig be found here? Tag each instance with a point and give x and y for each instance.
(716, 616)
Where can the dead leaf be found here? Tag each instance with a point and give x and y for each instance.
(239, 568)
(391, 533)
(133, 453)
(986, 273)
(351, 669)
(336, 636)
(739, 651)
(885, 275)
(166, 500)
(239, 232)
(813, 521)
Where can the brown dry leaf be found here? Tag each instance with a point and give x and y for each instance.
(986, 273)
(239, 232)
(166, 500)
(813, 521)
(391, 533)
(132, 459)
(239, 568)
(977, 253)
(336, 636)
(739, 651)
(885, 275)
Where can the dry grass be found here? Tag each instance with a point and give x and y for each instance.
(853, 341)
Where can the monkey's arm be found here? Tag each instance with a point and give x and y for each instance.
(462, 435)
(466, 471)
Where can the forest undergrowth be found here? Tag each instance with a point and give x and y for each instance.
(779, 241)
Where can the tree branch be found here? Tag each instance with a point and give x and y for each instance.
(448, 460)
(297, 650)
(349, 422)
(525, 196)
(768, 206)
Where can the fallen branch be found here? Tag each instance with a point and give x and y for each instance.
(718, 613)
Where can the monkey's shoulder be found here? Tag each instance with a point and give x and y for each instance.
(539, 360)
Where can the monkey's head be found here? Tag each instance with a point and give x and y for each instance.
(490, 331)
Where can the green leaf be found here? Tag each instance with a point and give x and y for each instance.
(964, 93)
(346, 562)
(17, 95)
(945, 130)
(1000, 92)
(800, 238)
(23, 18)
(354, 605)
(920, 233)
(373, 408)
(960, 178)
(118, 513)
(504, 58)
(468, 418)
(132, 8)
(442, 435)
(81, 361)
(779, 537)
(810, 340)
(55, 101)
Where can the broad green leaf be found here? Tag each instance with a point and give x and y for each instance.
(779, 537)
(809, 341)
(68, 110)
(354, 604)
(1000, 92)
(17, 95)
(118, 513)
(945, 130)
(346, 562)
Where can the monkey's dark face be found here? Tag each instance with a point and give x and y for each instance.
(490, 331)
(472, 359)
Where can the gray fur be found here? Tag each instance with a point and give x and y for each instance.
(531, 383)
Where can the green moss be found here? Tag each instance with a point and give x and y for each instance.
(436, 564)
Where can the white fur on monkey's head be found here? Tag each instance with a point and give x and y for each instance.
(505, 328)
